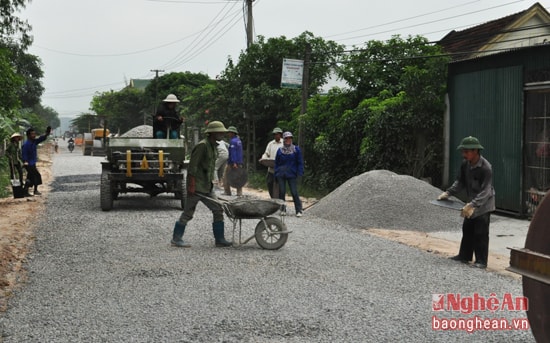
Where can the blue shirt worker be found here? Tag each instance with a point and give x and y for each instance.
(475, 178)
(235, 159)
(200, 188)
(288, 166)
(30, 157)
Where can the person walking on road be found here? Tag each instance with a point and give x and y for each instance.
(476, 179)
(235, 159)
(30, 157)
(268, 158)
(200, 188)
(288, 166)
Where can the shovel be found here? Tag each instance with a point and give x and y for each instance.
(452, 204)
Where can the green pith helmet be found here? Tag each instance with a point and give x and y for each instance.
(470, 143)
(215, 126)
(233, 129)
(277, 130)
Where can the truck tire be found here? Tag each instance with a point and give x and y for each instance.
(106, 192)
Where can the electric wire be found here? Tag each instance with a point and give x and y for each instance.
(430, 22)
(202, 36)
(62, 94)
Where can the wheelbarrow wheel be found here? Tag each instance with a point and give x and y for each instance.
(268, 236)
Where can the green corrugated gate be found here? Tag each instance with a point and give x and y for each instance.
(488, 104)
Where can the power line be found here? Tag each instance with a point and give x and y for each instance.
(207, 40)
(401, 20)
(432, 21)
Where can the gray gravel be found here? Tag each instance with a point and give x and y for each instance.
(139, 131)
(383, 199)
(113, 277)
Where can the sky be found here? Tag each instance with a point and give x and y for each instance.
(97, 46)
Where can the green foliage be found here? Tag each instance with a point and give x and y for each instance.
(253, 85)
(391, 118)
(85, 122)
(5, 190)
(10, 82)
(13, 28)
(120, 110)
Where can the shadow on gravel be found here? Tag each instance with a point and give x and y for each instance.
(143, 202)
(75, 183)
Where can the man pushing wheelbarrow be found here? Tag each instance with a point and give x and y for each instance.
(200, 174)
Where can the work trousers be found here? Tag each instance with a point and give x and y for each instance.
(33, 176)
(272, 186)
(475, 238)
(292, 184)
(191, 205)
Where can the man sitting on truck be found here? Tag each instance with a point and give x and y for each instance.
(166, 120)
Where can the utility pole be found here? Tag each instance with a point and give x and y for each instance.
(156, 71)
(305, 89)
(249, 24)
(250, 120)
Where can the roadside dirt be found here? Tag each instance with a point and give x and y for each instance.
(442, 247)
(18, 218)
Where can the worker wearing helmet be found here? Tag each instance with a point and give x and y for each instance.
(475, 178)
(200, 188)
(167, 120)
(234, 160)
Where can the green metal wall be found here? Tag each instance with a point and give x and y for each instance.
(488, 104)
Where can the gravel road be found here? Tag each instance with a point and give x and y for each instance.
(113, 277)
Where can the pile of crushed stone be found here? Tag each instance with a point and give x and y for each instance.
(142, 131)
(385, 200)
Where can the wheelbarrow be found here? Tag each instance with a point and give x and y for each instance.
(271, 233)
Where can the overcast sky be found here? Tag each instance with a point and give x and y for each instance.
(99, 45)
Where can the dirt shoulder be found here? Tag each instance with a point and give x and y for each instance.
(18, 218)
(441, 247)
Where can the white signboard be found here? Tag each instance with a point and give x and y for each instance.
(293, 71)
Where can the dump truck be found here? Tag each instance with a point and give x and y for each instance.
(142, 165)
(94, 142)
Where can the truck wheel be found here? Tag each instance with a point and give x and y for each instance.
(106, 192)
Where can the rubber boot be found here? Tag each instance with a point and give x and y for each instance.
(179, 230)
(218, 228)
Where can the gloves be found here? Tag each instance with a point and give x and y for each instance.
(48, 130)
(191, 186)
(443, 196)
(467, 210)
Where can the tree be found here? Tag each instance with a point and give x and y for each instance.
(399, 86)
(84, 122)
(13, 28)
(48, 115)
(253, 85)
(122, 110)
(29, 68)
(10, 82)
